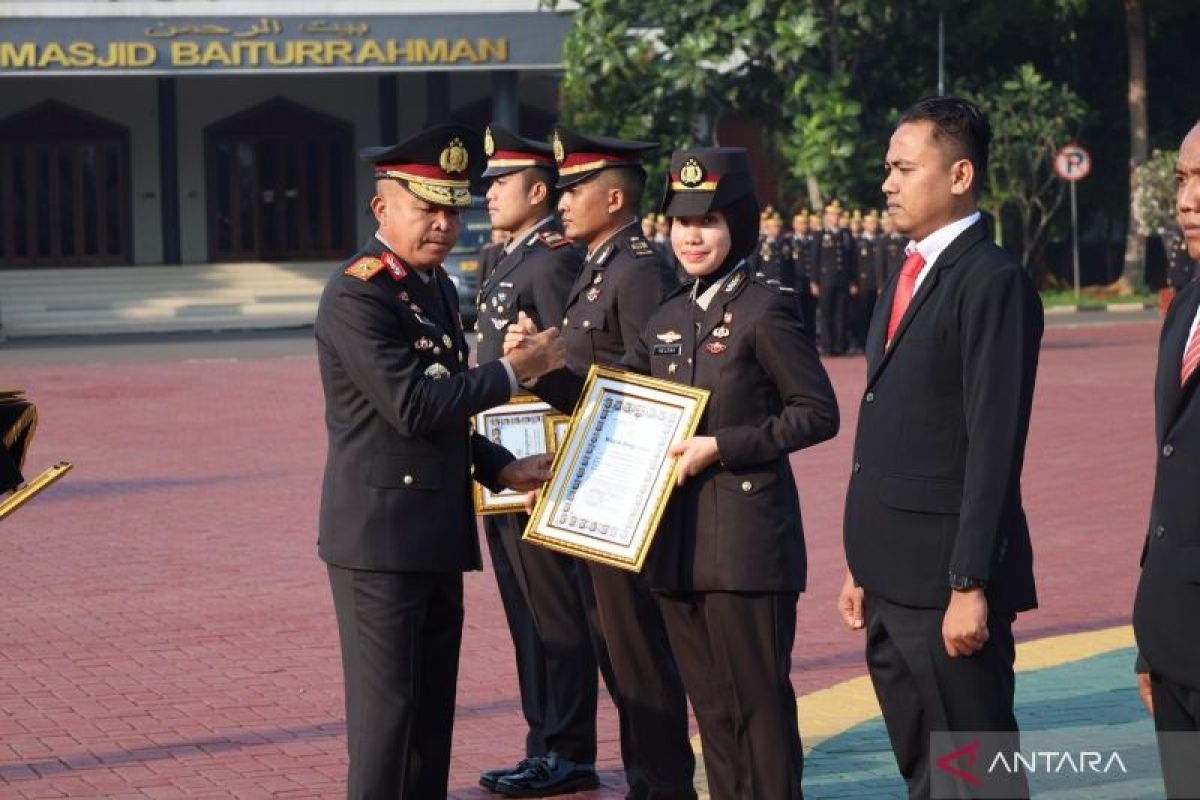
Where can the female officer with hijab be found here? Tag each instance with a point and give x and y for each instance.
(728, 561)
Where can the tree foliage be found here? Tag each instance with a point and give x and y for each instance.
(1031, 118)
(1154, 193)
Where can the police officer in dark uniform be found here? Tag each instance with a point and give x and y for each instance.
(533, 275)
(772, 261)
(869, 280)
(891, 248)
(396, 524)
(799, 245)
(833, 267)
(620, 285)
(728, 561)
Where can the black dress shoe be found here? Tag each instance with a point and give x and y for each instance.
(547, 776)
(488, 779)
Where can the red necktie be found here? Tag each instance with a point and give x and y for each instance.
(904, 291)
(1191, 357)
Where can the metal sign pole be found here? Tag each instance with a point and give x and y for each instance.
(1075, 238)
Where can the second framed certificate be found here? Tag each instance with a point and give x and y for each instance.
(519, 426)
(613, 472)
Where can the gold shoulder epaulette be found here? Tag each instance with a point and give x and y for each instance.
(364, 268)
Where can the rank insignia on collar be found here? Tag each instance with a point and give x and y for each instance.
(728, 318)
(553, 239)
(735, 281)
(603, 255)
(670, 337)
(716, 348)
(593, 294)
(365, 268)
(720, 332)
(394, 266)
(436, 372)
(416, 309)
(424, 343)
(598, 278)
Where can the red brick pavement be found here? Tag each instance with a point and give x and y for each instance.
(167, 629)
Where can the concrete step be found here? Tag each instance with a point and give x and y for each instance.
(47, 302)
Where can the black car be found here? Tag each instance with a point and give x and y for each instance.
(463, 262)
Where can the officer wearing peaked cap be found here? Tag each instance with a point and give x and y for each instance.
(555, 673)
(728, 560)
(832, 271)
(620, 285)
(396, 526)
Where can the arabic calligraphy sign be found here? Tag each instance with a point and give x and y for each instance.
(273, 44)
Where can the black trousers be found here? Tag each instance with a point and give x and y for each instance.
(1177, 721)
(400, 634)
(549, 585)
(646, 687)
(527, 645)
(735, 653)
(831, 305)
(922, 689)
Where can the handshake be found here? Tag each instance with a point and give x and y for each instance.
(532, 354)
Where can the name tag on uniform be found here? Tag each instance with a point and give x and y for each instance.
(668, 349)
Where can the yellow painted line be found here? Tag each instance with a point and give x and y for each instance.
(829, 712)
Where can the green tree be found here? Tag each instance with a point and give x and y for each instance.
(1154, 194)
(1031, 118)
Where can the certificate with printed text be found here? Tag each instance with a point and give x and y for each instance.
(613, 473)
(519, 427)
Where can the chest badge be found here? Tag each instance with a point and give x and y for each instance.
(716, 348)
(728, 318)
(424, 343)
(720, 332)
(436, 372)
(670, 337)
(446, 340)
(593, 294)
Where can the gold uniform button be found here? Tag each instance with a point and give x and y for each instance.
(565, 321)
(747, 486)
(587, 323)
(408, 480)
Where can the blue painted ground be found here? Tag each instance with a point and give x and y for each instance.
(1088, 705)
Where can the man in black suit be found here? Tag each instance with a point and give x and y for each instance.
(1168, 595)
(621, 283)
(556, 673)
(936, 538)
(397, 529)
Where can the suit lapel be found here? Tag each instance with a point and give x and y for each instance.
(1168, 394)
(506, 266)
(949, 257)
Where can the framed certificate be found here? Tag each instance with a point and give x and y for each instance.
(557, 426)
(612, 473)
(517, 426)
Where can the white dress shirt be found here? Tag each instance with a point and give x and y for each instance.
(933, 245)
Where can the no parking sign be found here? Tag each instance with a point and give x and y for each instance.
(1072, 163)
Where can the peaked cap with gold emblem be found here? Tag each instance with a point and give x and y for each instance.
(436, 165)
(508, 153)
(580, 157)
(707, 178)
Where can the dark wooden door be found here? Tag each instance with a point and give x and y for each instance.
(64, 189)
(279, 178)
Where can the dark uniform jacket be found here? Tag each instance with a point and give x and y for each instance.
(614, 295)
(1168, 595)
(891, 253)
(535, 278)
(869, 264)
(736, 526)
(800, 251)
(936, 480)
(399, 397)
(772, 261)
(832, 259)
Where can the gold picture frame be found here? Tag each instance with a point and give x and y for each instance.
(517, 426)
(557, 426)
(612, 473)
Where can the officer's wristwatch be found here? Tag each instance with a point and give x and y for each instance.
(965, 583)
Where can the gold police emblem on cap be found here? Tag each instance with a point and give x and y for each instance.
(560, 153)
(489, 144)
(692, 174)
(454, 156)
